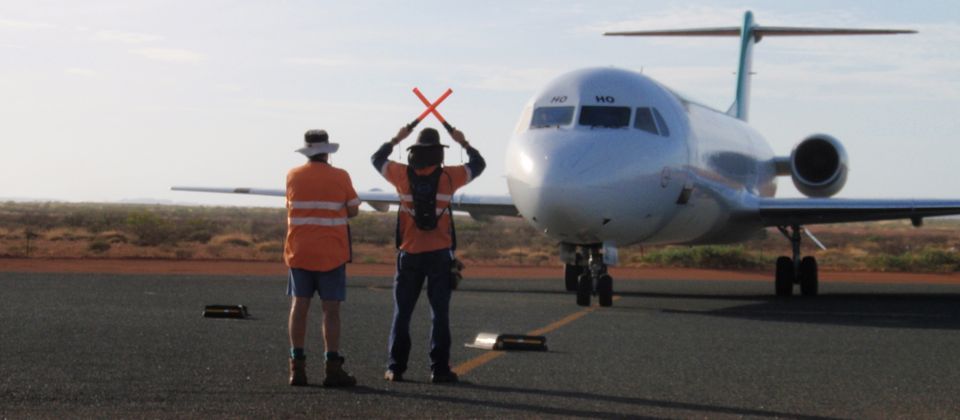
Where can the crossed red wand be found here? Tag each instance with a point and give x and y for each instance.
(431, 109)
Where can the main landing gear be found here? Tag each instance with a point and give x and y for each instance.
(796, 270)
(588, 275)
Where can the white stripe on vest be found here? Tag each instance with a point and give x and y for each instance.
(319, 221)
(316, 205)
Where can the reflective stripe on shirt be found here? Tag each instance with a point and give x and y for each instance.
(320, 221)
(319, 205)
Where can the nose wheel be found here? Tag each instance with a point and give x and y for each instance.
(796, 270)
(590, 279)
(571, 274)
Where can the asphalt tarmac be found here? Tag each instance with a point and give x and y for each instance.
(92, 345)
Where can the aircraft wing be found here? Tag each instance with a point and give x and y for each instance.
(809, 211)
(478, 206)
(252, 191)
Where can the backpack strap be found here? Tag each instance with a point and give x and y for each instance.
(453, 228)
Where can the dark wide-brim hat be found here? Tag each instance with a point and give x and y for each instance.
(316, 142)
(428, 138)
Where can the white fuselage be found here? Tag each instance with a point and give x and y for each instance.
(610, 156)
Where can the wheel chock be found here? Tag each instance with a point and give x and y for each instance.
(225, 311)
(492, 341)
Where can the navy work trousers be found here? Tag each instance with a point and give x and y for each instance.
(412, 270)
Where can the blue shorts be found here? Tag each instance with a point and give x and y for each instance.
(329, 285)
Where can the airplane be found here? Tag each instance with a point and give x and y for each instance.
(606, 157)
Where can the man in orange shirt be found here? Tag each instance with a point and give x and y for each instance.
(426, 239)
(320, 199)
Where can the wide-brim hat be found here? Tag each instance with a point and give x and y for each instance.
(316, 142)
(428, 138)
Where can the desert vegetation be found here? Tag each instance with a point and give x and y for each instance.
(67, 230)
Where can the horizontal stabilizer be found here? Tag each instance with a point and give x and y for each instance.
(762, 31)
(730, 31)
(751, 33)
(794, 31)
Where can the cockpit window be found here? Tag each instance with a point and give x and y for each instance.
(664, 131)
(645, 121)
(551, 116)
(605, 116)
(650, 120)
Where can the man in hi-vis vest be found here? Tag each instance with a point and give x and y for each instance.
(426, 239)
(320, 199)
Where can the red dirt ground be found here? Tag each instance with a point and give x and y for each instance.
(248, 268)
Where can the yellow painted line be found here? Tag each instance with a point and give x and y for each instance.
(485, 358)
(476, 362)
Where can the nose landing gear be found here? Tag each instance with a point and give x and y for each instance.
(588, 275)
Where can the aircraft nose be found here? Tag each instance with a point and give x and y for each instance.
(564, 190)
(590, 188)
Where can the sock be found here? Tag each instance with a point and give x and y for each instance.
(297, 353)
(331, 355)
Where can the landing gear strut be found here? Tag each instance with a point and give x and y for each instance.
(796, 270)
(588, 276)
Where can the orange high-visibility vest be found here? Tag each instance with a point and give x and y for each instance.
(317, 198)
(414, 240)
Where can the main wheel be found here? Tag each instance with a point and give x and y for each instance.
(783, 283)
(570, 274)
(584, 289)
(605, 290)
(809, 280)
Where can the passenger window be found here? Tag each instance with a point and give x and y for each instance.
(605, 116)
(645, 121)
(551, 116)
(664, 131)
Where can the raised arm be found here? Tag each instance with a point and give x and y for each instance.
(382, 155)
(476, 164)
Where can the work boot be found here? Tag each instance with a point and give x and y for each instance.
(447, 377)
(336, 376)
(393, 376)
(298, 372)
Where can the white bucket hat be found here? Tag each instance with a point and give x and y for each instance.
(316, 142)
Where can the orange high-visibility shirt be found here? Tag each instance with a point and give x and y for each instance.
(414, 240)
(317, 198)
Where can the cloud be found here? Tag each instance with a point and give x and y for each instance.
(24, 25)
(505, 79)
(125, 37)
(170, 54)
(82, 72)
(227, 87)
(321, 61)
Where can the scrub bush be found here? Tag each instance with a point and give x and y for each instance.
(150, 229)
(712, 256)
(99, 246)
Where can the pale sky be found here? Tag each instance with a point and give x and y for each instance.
(112, 100)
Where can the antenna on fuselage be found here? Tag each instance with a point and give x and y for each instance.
(751, 33)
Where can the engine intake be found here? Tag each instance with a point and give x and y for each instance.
(818, 166)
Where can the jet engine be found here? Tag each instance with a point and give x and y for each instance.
(819, 166)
